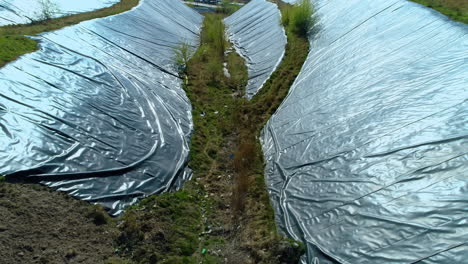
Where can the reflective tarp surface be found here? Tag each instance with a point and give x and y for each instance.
(99, 112)
(26, 11)
(367, 156)
(256, 32)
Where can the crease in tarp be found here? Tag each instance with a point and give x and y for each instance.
(99, 112)
(366, 157)
(257, 35)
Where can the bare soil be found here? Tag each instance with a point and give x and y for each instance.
(38, 225)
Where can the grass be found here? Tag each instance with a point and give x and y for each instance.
(455, 9)
(13, 43)
(164, 228)
(225, 211)
(13, 46)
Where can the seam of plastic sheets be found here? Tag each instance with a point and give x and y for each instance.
(99, 112)
(257, 35)
(367, 156)
(26, 11)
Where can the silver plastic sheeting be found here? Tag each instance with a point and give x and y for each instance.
(256, 33)
(27, 11)
(367, 156)
(99, 112)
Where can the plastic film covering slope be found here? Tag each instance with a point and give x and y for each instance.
(98, 112)
(367, 156)
(26, 11)
(256, 32)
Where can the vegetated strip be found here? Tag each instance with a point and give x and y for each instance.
(13, 42)
(455, 9)
(224, 214)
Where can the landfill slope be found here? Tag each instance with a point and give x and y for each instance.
(257, 35)
(99, 112)
(367, 156)
(26, 11)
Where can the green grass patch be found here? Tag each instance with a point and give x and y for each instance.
(13, 46)
(455, 9)
(13, 43)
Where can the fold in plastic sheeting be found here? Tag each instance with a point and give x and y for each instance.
(99, 112)
(27, 11)
(256, 33)
(367, 156)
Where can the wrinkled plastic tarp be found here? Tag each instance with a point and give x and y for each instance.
(99, 112)
(256, 32)
(27, 11)
(367, 156)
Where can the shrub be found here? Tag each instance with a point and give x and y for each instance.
(47, 9)
(299, 18)
(182, 55)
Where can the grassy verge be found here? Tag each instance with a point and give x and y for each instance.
(224, 214)
(455, 9)
(13, 43)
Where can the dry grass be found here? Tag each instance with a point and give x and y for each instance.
(244, 159)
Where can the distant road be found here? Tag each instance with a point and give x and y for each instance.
(200, 4)
(207, 5)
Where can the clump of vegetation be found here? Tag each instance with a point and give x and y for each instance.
(299, 17)
(47, 10)
(98, 215)
(13, 43)
(455, 9)
(182, 55)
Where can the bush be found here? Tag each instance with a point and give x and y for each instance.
(182, 55)
(298, 18)
(47, 10)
